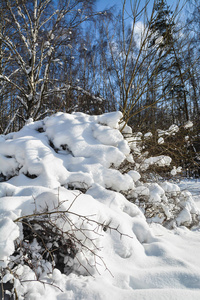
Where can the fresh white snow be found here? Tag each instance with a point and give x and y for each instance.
(45, 166)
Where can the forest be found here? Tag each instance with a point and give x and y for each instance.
(68, 56)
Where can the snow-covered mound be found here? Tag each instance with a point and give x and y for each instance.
(68, 150)
(67, 230)
(79, 151)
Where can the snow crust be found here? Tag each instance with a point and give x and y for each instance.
(45, 166)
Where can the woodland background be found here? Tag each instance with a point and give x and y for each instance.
(67, 56)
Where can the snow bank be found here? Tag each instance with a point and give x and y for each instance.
(67, 150)
(64, 203)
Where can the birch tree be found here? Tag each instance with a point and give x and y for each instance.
(38, 29)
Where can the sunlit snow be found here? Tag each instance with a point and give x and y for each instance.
(69, 165)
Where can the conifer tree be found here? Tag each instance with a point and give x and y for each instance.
(163, 37)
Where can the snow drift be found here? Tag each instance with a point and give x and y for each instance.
(65, 216)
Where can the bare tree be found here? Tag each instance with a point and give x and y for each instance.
(140, 54)
(38, 32)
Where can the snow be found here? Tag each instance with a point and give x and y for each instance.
(193, 186)
(170, 187)
(148, 135)
(135, 175)
(67, 167)
(9, 232)
(189, 124)
(175, 170)
(171, 131)
(161, 161)
(161, 141)
(156, 192)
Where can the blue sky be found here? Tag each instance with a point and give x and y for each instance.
(104, 4)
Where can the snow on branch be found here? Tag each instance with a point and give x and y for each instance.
(11, 121)
(13, 49)
(5, 78)
(18, 25)
(22, 102)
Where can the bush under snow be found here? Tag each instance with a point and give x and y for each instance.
(70, 188)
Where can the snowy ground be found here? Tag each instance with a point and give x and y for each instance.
(119, 255)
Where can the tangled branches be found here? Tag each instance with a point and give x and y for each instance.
(56, 238)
